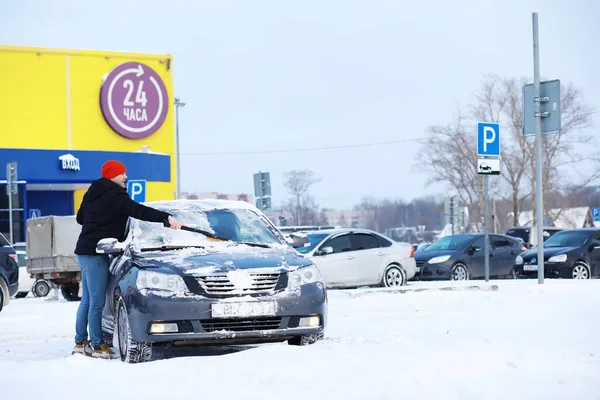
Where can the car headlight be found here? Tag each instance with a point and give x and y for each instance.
(558, 259)
(158, 281)
(518, 260)
(304, 276)
(439, 259)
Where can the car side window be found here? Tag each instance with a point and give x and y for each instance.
(364, 241)
(383, 242)
(596, 239)
(339, 244)
(480, 242)
(498, 242)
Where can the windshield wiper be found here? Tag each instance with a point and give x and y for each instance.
(263, 245)
(203, 232)
(170, 247)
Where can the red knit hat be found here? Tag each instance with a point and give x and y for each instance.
(112, 168)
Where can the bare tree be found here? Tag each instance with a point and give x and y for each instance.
(500, 100)
(298, 183)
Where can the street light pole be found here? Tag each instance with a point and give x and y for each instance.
(178, 104)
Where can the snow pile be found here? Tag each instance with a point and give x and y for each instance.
(524, 341)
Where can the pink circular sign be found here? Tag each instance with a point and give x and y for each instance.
(134, 100)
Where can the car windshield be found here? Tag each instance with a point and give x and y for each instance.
(21, 260)
(567, 239)
(236, 224)
(315, 239)
(455, 242)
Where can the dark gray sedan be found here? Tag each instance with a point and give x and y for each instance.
(462, 257)
(233, 280)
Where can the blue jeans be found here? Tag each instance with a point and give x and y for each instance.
(94, 278)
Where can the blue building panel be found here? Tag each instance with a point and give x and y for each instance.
(82, 166)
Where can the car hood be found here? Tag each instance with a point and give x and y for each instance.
(426, 255)
(548, 252)
(195, 261)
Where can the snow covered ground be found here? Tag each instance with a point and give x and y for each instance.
(521, 341)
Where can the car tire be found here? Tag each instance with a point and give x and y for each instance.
(20, 295)
(70, 292)
(40, 288)
(4, 294)
(580, 271)
(306, 340)
(394, 276)
(130, 350)
(459, 272)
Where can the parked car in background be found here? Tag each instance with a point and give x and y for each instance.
(350, 257)
(573, 253)
(529, 234)
(234, 279)
(462, 257)
(25, 280)
(9, 272)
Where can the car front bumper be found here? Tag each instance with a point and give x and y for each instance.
(431, 272)
(551, 270)
(195, 322)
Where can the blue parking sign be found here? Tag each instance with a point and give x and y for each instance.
(488, 139)
(137, 190)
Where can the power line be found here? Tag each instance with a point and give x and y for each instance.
(348, 146)
(310, 149)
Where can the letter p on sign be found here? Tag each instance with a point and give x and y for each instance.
(488, 139)
(137, 190)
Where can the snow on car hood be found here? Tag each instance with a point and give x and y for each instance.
(196, 261)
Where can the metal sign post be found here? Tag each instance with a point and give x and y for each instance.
(11, 189)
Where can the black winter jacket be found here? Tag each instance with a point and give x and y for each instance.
(103, 214)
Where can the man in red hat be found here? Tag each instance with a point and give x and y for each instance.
(104, 212)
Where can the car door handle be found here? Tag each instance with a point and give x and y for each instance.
(381, 253)
(350, 257)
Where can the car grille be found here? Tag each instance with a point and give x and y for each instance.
(240, 325)
(420, 264)
(221, 284)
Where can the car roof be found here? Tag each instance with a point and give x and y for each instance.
(342, 230)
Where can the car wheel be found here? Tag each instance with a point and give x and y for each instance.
(20, 295)
(40, 288)
(1, 296)
(70, 292)
(580, 271)
(306, 340)
(394, 276)
(460, 272)
(130, 350)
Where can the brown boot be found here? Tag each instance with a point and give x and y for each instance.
(83, 348)
(103, 351)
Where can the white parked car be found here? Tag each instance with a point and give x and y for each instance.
(360, 257)
(40, 288)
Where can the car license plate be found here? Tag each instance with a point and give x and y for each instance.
(245, 309)
(530, 267)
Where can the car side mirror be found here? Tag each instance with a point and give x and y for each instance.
(326, 250)
(298, 239)
(474, 249)
(109, 246)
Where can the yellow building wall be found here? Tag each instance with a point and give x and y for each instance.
(54, 103)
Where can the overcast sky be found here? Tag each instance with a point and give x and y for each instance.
(282, 75)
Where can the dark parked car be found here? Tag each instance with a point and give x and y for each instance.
(462, 257)
(9, 272)
(571, 253)
(239, 281)
(528, 234)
